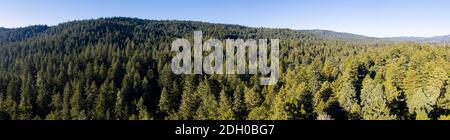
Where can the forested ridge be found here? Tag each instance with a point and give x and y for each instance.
(119, 69)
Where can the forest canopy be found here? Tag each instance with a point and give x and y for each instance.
(119, 69)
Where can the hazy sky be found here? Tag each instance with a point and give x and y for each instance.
(379, 18)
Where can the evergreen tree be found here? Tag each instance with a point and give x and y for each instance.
(252, 99)
(25, 105)
(100, 103)
(189, 99)
(91, 94)
(76, 102)
(225, 107)
(43, 98)
(65, 112)
(322, 97)
(165, 103)
(239, 108)
(120, 108)
(56, 107)
(291, 104)
(373, 101)
(208, 106)
(142, 110)
(348, 100)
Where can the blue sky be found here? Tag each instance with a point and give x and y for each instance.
(378, 18)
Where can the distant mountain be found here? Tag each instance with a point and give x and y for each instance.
(334, 34)
(435, 39)
(344, 36)
(366, 39)
(405, 38)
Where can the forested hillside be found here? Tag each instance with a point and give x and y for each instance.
(119, 69)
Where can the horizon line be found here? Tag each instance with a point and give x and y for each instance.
(210, 22)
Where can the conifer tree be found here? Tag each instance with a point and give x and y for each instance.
(142, 110)
(225, 107)
(373, 101)
(65, 112)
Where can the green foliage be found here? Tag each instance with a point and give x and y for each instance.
(252, 98)
(120, 108)
(208, 102)
(164, 101)
(119, 68)
(143, 113)
(292, 104)
(349, 100)
(239, 108)
(225, 107)
(373, 101)
(323, 100)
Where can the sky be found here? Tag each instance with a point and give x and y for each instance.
(376, 18)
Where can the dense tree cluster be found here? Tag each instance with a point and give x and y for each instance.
(119, 69)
